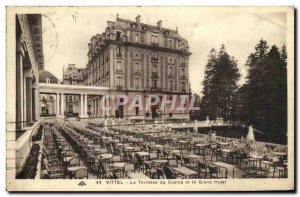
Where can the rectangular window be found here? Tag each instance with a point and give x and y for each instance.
(183, 75)
(137, 83)
(154, 83)
(154, 39)
(119, 52)
(171, 71)
(170, 43)
(137, 38)
(154, 68)
(183, 88)
(136, 67)
(171, 86)
(118, 38)
(119, 65)
(154, 57)
(119, 83)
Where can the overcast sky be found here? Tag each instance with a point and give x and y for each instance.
(67, 31)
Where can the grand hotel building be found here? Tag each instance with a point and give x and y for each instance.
(133, 58)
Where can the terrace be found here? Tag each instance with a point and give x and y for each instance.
(153, 151)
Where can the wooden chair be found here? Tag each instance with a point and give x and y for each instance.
(214, 172)
(169, 173)
(202, 169)
(150, 170)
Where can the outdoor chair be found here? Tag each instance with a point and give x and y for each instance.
(215, 174)
(150, 170)
(159, 173)
(169, 173)
(202, 169)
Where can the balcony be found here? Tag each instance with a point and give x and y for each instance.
(154, 44)
(154, 59)
(119, 39)
(155, 89)
(154, 75)
(137, 72)
(119, 55)
(183, 64)
(182, 77)
(119, 87)
(119, 71)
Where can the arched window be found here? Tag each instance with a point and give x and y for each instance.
(47, 80)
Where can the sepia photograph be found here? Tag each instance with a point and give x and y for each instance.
(150, 99)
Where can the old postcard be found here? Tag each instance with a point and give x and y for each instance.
(150, 99)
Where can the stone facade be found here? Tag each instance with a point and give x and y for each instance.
(23, 91)
(131, 57)
(73, 76)
(29, 60)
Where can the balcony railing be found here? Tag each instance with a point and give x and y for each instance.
(119, 39)
(119, 71)
(154, 59)
(154, 75)
(154, 44)
(137, 72)
(155, 89)
(119, 87)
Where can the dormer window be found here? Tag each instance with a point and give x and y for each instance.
(48, 80)
(136, 37)
(154, 39)
(118, 38)
(170, 43)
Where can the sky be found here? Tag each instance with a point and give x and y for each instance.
(68, 30)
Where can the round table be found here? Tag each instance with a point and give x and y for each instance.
(106, 156)
(160, 161)
(119, 164)
(174, 151)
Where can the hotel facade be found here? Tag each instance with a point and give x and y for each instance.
(132, 58)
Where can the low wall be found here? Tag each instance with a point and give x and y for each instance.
(23, 147)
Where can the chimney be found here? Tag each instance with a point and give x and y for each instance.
(138, 19)
(159, 24)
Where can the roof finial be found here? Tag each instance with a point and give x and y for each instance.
(177, 29)
(117, 16)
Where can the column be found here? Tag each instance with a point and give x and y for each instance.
(62, 105)
(57, 105)
(19, 90)
(33, 105)
(85, 104)
(28, 100)
(81, 104)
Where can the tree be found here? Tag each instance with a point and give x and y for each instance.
(220, 85)
(265, 94)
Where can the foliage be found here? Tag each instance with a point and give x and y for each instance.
(263, 99)
(220, 85)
